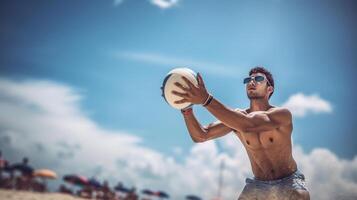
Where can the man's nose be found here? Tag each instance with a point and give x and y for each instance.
(251, 82)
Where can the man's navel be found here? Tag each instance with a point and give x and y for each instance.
(271, 139)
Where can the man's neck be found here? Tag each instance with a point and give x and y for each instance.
(259, 105)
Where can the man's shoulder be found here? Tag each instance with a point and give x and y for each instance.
(273, 109)
(277, 109)
(281, 114)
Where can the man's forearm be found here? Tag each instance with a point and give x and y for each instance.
(195, 129)
(231, 118)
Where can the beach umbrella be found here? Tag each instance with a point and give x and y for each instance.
(94, 183)
(3, 163)
(147, 192)
(45, 173)
(192, 197)
(163, 194)
(5, 166)
(76, 179)
(121, 188)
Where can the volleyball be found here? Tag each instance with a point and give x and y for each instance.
(168, 86)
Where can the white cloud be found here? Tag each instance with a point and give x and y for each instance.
(300, 104)
(169, 62)
(328, 176)
(43, 120)
(164, 4)
(177, 150)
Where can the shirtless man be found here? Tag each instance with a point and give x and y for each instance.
(265, 131)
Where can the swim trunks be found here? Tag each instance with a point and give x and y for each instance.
(279, 189)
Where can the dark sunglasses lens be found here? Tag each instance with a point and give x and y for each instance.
(259, 78)
(246, 80)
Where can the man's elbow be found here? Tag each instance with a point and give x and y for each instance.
(198, 139)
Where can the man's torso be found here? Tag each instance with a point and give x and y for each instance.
(270, 152)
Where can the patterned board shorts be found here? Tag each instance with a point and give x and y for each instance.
(276, 189)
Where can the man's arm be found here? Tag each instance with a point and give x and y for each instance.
(254, 122)
(237, 120)
(199, 133)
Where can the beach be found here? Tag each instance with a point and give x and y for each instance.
(26, 195)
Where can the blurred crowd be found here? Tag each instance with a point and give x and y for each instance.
(22, 176)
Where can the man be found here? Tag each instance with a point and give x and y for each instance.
(24, 182)
(264, 130)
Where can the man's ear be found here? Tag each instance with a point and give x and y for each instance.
(270, 88)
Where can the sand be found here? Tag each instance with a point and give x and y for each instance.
(24, 195)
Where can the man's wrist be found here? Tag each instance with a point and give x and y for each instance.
(208, 100)
(187, 111)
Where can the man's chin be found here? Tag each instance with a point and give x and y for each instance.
(255, 97)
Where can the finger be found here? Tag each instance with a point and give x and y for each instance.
(179, 94)
(181, 101)
(200, 80)
(188, 82)
(181, 86)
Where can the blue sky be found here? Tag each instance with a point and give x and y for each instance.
(308, 46)
(115, 54)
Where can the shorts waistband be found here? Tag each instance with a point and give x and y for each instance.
(296, 174)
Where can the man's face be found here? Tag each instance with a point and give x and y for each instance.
(258, 89)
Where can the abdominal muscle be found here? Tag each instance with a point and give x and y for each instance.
(269, 154)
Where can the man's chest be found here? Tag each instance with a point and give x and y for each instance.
(260, 140)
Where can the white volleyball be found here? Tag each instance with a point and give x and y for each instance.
(168, 86)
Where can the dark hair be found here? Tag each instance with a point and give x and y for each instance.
(264, 71)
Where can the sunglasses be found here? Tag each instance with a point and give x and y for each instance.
(256, 79)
